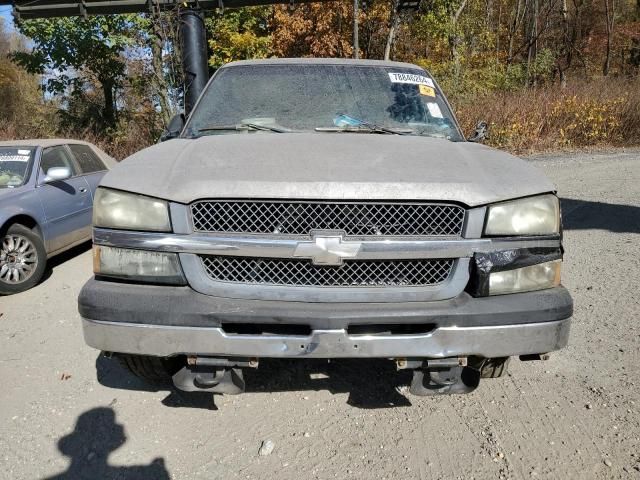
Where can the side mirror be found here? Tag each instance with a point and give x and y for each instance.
(481, 133)
(176, 124)
(57, 173)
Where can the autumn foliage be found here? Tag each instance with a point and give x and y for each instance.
(313, 29)
(545, 74)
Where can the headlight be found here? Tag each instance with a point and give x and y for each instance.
(128, 211)
(141, 265)
(529, 216)
(526, 279)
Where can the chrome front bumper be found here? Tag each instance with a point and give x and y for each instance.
(485, 341)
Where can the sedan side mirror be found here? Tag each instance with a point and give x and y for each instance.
(481, 133)
(176, 124)
(57, 173)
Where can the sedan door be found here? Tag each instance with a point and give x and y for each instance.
(66, 203)
(90, 164)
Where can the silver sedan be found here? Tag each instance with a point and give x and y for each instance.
(46, 198)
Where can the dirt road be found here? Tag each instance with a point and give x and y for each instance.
(64, 410)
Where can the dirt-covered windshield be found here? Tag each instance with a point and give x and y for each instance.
(323, 98)
(15, 165)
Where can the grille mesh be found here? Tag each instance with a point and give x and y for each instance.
(352, 273)
(355, 219)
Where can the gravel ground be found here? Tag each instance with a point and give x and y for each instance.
(66, 412)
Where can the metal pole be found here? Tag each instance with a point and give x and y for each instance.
(356, 42)
(194, 56)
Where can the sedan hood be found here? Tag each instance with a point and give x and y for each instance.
(336, 166)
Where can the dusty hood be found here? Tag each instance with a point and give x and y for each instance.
(326, 166)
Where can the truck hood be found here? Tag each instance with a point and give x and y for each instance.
(336, 166)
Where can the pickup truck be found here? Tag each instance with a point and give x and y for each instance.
(323, 208)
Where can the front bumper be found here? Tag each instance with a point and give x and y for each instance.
(165, 321)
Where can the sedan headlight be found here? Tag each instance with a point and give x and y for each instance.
(528, 216)
(129, 211)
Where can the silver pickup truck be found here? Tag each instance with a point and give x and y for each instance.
(324, 209)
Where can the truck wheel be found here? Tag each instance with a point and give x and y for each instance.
(494, 367)
(22, 259)
(156, 370)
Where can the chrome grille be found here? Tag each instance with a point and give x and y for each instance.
(355, 219)
(352, 273)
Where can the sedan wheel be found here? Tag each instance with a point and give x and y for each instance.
(18, 259)
(22, 259)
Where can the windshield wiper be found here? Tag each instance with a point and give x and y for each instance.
(347, 123)
(242, 126)
(366, 129)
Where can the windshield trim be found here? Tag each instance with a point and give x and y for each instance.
(352, 63)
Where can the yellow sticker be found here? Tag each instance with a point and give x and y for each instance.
(426, 90)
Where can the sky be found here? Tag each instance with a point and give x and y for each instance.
(5, 13)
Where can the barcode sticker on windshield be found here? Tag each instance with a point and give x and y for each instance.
(14, 158)
(411, 78)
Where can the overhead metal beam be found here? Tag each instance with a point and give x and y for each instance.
(25, 9)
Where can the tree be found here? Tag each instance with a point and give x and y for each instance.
(610, 18)
(239, 34)
(23, 112)
(442, 21)
(313, 30)
(158, 32)
(71, 49)
(455, 10)
(356, 29)
(394, 21)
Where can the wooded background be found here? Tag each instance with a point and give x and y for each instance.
(545, 74)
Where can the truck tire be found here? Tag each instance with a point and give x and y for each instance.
(157, 370)
(23, 259)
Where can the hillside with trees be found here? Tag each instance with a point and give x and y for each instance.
(545, 74)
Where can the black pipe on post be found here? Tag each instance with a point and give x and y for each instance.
(194, 56)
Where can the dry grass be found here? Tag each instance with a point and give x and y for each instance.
(603, 112)
(131, 135)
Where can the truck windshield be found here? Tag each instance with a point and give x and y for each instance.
(324, 99)
(15, 165)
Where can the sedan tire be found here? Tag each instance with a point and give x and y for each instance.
(22, 259)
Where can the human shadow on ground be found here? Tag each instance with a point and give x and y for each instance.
(95, 437)
(370, 383)
(586, 215)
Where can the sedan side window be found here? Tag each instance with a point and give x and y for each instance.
(56, 157)
(87, 159)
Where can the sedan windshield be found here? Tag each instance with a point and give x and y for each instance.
(15, 166)
(281, 98)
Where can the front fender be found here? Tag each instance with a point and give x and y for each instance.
(26, 204)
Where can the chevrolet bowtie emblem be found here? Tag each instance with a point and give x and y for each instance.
(327, 249)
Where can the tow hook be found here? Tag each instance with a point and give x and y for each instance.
(215, 375)
(440, 376)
